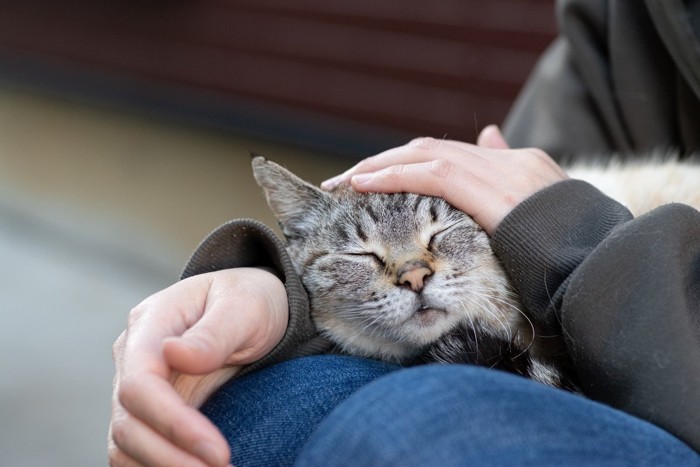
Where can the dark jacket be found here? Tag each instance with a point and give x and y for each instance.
(624, 76)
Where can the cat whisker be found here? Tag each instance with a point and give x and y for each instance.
(483, 303)
(506, 328)
(519, 312)
(349, 248)
(527, 319)
(370, 329)
(476, 337)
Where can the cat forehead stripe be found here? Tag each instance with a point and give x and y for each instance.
(417, 203)
(370, 212)
(360, 232)
(433, 211)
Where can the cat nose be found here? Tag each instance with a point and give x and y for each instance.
(413, 274)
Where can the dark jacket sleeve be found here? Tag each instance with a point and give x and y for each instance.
(622, 77)
(249, 243)
(625, 292)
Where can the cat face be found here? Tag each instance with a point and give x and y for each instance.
(387, 274)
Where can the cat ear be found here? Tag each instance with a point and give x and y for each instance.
(295, 203)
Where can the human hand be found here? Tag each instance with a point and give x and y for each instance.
(486, 180)
(180, 345)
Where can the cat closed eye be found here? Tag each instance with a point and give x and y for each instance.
(434, 238)
(431, 242)
(371, 255)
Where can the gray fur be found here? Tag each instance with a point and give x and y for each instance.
(401, 277)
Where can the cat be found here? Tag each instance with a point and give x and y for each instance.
(410, 279)
(643, 184)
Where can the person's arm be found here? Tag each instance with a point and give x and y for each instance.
(617, 80)
(239, 306)
(249, 243)
(179, 346)
(546, 237)
(566, 107)
(625, 292)
(467, 176)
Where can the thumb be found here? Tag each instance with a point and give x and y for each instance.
(195, 353)
(210, 342)
(397, 178)
(492, 138)
(245, 317)
(219, 341)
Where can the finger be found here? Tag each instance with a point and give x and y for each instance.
(143, 385)
(403, 154)
(132, 444)
(241, 323)
(117, 458)
(466, 190)
(172, 426)
(419, 150)
(418, 178)
(491, 137)
(196, 390)
(440, 178)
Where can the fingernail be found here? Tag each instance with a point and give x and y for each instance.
(332, 182)
(362, 179)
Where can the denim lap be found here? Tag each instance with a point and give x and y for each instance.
(336, 410)
(267, 415)
(452, 415)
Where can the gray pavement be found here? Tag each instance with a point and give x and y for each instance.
(66, 285)
(98, 209)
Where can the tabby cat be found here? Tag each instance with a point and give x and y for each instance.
(406, 278)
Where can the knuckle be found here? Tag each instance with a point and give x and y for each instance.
(394, 173)
(396, 170)
(177, 431)
(119, 433)
(425, 142)
(208, 337)
(115, 457)
(442, 169)
(366, 164)
(128, 391)
(136, 314)
(536, 153)
(118, 346)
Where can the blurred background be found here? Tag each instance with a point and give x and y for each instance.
(125, 129)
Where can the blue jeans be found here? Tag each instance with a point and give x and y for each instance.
(334, 410)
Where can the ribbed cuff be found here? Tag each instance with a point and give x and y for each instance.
(249, 243)
(544, 239)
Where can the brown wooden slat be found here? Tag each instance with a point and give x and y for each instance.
(416, 68)
(508, 15)
(342, 46)
(254, 75)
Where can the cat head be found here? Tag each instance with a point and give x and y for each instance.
(387, 274)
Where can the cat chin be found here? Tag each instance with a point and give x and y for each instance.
(427, 317)
(423, 328)
(426, 326)
(397, 352)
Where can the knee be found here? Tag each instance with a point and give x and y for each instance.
(459, 414)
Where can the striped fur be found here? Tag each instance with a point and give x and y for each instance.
(404, 278)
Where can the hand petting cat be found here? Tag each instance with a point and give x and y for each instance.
(183, 343)
(486, 180)
(180, 345)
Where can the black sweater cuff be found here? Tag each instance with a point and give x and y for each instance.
(544, 239)
(249, 243)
